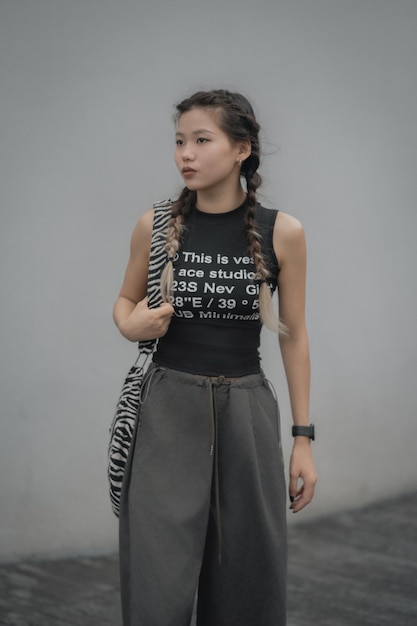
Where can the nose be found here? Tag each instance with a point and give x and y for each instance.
(187, 153)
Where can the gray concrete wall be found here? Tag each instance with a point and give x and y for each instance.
(87, 89)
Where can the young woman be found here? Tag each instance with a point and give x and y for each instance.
(204, 499)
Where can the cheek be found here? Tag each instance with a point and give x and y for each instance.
(177, 159)
(218, 157)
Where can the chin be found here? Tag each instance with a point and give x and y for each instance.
(194, 187)
(198, 186)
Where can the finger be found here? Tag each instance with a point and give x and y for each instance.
(293, 487)
(308, 492)
(303, 498)
(296, 497)
(299, 504)
(162, 312)
(166, 308)
(142, 304)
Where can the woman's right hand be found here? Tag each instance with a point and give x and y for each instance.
(141, 323)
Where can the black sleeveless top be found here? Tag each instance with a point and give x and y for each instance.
(216, 326)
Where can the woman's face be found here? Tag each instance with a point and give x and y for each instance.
(204, 154)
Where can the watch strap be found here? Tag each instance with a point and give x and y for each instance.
(304, 431)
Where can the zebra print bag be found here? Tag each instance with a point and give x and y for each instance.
(124, 420)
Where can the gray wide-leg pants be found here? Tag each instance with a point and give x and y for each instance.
(204, 504)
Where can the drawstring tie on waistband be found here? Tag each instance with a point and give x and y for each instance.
(214, 450)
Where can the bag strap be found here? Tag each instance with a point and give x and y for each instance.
(157, 261)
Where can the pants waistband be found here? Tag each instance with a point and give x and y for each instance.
(247, 381)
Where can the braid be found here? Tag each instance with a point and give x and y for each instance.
(175, 229)
(254, 237)
(253, 181)
(266, 307)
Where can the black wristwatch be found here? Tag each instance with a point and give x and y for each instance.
(303, 431)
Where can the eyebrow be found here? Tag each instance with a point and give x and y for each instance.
(197, 132)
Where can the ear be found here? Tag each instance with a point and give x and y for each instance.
(245, 150)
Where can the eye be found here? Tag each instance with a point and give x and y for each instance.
(202, 140)
(179, 142)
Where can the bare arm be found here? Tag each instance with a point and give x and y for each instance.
(290, 247)
(133, 318)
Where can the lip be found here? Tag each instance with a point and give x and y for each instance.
(187, 171)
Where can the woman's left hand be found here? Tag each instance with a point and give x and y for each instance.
(303, 477)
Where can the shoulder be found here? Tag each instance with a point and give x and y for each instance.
(142, 233)
(145, 221)
(289, 237)
(287, 226)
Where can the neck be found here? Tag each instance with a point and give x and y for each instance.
(224, 201)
